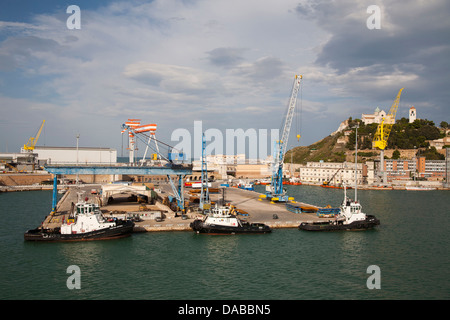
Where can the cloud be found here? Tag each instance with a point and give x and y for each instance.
(225, 57)
(18, 25)
(173, 62)
(18, 51)
(408, 51)
(170, 78)
(263, 69)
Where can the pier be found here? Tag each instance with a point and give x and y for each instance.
(255, 208)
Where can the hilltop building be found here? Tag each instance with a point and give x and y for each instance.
(412, 114)
(378, 115)
(375, 117)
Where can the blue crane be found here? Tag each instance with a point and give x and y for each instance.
(274, 191)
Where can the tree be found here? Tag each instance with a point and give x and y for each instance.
(396, 154)
(432, 154)
(444, 125)
(429, 132)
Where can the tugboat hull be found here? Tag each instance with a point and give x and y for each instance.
(369, 223)
(200, 227)
(121, 230)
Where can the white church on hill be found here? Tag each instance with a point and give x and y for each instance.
(378, 115)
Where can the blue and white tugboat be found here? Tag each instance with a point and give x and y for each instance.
(86, 222)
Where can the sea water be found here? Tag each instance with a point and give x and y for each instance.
(410, 248)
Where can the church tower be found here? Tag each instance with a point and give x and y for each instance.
(412, 114)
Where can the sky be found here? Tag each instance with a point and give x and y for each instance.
(229, 64)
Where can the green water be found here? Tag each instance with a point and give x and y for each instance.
(411, 248)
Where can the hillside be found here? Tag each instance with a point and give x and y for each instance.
(403, 140)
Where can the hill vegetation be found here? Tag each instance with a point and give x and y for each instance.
(404, 135)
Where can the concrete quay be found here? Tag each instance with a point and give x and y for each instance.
(261, 211)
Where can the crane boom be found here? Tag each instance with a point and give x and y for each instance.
(275, 190)
(289, 117)
(29, 146)
(384, 128)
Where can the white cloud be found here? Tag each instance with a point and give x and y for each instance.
(217, 61)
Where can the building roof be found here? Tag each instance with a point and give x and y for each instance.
(73, 148)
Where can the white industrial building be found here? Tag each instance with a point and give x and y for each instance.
(335, 172)
(73, 155)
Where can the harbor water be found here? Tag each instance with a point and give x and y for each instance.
(410, 247)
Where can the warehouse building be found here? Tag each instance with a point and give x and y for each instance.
(74, 155)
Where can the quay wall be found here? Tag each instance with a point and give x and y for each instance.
(23, 179)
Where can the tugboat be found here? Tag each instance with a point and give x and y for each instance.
(221, 220)
(86, 222)
(350, 217)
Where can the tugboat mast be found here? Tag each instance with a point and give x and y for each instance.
(205, 203)
(356, 161)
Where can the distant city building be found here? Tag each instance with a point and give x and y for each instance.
(419, 168)
(439, 143)
(336, 173)
(223, 166)
(447, 167)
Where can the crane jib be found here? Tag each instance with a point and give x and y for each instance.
(289, 117)
(276, 187)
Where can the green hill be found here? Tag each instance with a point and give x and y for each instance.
(404, 135)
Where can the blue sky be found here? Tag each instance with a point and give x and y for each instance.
(230, 64)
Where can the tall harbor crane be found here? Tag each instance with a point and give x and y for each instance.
(275, 191)
(381, 136)
(29, 146)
